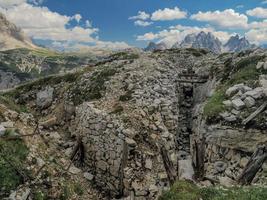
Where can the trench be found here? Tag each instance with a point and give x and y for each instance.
(191, 148)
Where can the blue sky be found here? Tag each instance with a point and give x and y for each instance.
(111, 23)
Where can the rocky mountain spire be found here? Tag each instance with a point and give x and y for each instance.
(236, 44)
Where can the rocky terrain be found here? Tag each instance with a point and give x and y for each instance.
(206, 41)
(130, 126)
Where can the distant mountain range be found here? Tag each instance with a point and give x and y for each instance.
(11, 36)
(207, 41)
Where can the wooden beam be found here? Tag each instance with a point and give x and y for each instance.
(191, 81)
(254, 114)
(253, 166)
(198, 147)
(170, 170)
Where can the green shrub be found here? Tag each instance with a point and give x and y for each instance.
(78, 189)
(39, 195)
(214, 104)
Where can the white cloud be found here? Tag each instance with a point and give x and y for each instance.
(142, 23)
(43, 24)
(36, 2)
(257, 36)
(77, 17)
(258, 25)
(258, 12)
(168, 14)
(178, 33)
(226, 19)
(140, 16)
(10, 3)
(147, 37)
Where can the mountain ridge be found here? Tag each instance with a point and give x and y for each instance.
(207, 41)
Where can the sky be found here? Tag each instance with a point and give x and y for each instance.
(115, 24)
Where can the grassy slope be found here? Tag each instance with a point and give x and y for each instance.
(183, 190)
(12, 155)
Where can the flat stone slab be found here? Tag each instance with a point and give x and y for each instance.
(237, 139)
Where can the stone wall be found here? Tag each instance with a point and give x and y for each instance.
(228, 151)
(119, 165)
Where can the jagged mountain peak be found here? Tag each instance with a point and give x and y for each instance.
(237, 43)
(152, 46)
(208, 41)
(200, 40)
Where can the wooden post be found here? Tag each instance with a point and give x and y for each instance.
(199, 157)
(170, 170)
(254, 165)
(254, 114)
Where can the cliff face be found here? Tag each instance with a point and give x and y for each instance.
(11, 36)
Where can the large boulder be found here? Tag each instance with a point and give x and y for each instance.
(45, 98)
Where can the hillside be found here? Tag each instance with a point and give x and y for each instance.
(20, 65)
(124, 127)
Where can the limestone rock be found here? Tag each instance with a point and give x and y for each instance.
(227, 103)
(220, 166)
(8, 124)
(238, 104)
(74, 170)
(226, 181)
(186, 171)
(130, 142)
(88, 176)
(263, 81)
(49, 122)
(259, 65)
(2, 130)
(249, 101)
(256, 93)
(45, 98)
(148, 164)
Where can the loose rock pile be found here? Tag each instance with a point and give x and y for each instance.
(243, 98)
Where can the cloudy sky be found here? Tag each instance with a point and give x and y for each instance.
(123, 23)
